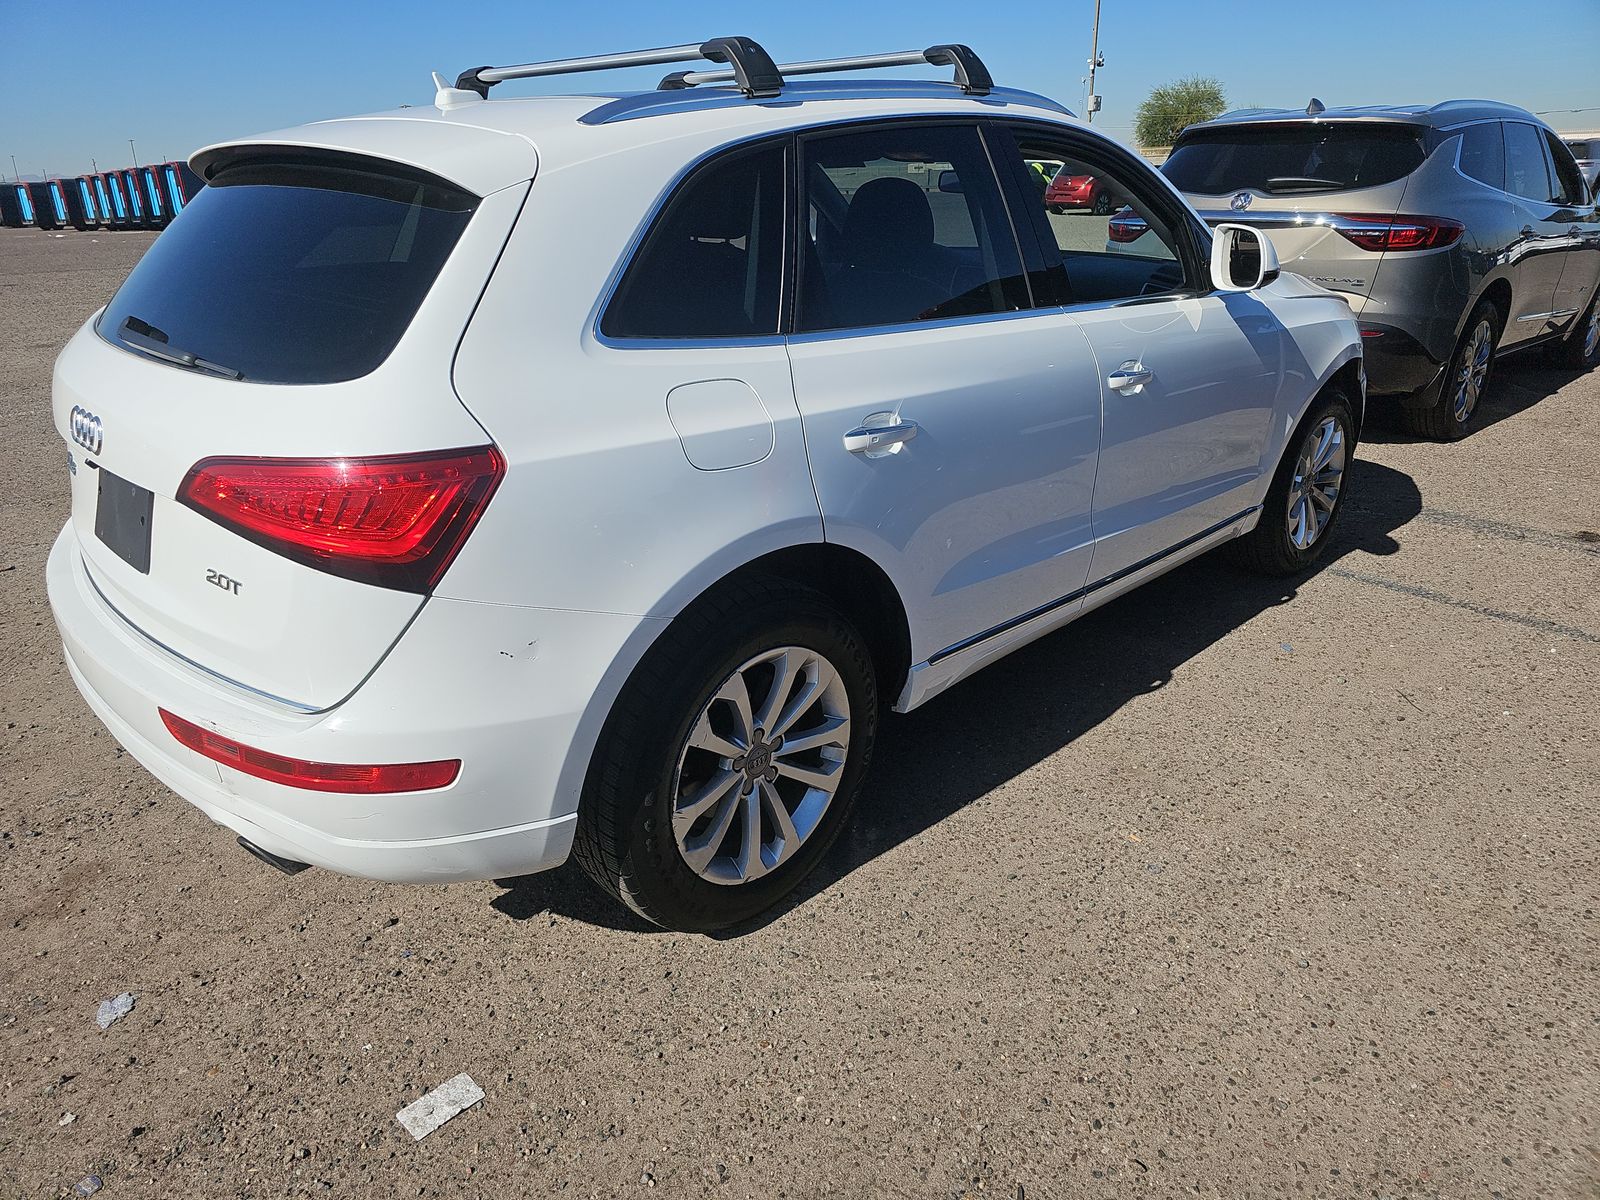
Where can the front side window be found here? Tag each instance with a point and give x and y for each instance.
(903, 224)
(1483, 154)
(712, 265)
(290, 272)
(1570, 189)
(1113, 243)
(1527, 172)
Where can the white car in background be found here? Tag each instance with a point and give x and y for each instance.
(583, 474)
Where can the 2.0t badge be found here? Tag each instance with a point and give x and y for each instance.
(86, 429)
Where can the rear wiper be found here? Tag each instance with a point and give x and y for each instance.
(143, 336)
(1302, 183)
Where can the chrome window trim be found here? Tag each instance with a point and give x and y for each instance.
(853, 331)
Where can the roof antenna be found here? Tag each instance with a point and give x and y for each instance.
(1316, 108)
(446, 97)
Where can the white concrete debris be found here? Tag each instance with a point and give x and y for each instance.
(449, 1099)
(113, 1010)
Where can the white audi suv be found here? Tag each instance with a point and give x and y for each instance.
(461, 488)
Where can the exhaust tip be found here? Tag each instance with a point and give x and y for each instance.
(287, 865)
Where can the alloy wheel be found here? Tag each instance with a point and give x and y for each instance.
(1473, 371)
(1591, 335)
(1318, 476)
(760, 765)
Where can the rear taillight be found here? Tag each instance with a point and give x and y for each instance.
(396, 522)
(1126, 228)
(349, 778)
(1381, 233)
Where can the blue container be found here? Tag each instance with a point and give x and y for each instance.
(41, 206)
(83, 187)
(156, 209)
(120, 204)
(182, 184)
(78, 199)
(133, 192)
(102, 199)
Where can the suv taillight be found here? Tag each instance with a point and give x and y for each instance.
(1381, 233)
(395, 521)
(1127, 226)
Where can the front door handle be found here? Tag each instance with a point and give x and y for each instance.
(1130, 376)
(880, 434)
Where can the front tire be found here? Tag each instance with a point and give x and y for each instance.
(1466, 379)
(1307, 492)
(1580, 351)
(732, 758)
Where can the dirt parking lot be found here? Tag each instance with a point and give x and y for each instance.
(1232, 889)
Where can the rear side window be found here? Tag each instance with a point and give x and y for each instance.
(292, 272)
(1294, 158)
(1483, 154)
(1527, 172)
(712, 265)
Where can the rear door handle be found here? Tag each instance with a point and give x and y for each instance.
(879, 434)
(1131, 374)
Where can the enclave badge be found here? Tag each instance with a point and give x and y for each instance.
(86, 429)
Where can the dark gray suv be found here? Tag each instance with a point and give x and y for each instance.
(1458, 232)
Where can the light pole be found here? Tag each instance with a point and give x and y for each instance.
(133, 152)
(1096, 61)
(14, 174)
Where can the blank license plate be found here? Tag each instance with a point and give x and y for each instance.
(122, 520)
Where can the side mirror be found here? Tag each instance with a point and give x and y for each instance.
(949, 181)
(1242, 259)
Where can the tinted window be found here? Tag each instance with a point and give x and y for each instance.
(1570, 179)
(1527, 172)
(1483, 154)
(903, 225)
(1111, 243)
(712, 264)
(293, 274)
(1294, 158)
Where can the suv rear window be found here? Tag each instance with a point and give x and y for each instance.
(1305, 157)
(292, 272)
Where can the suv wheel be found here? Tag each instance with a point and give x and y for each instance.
(1465, 381)
(1304, 500)
(732, 758)
(1580, 350)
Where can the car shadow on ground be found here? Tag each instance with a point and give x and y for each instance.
(1016, 713)
(1520, 382)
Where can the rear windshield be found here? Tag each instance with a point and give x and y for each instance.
(1293, 158)
(290, 273)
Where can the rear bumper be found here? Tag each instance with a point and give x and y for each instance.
(509, 691)
(1397, 363)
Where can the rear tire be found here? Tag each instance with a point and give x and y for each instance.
(683, 767)
(1102, 204)
(1056, 208)
(1307, 492)
(1466, 380)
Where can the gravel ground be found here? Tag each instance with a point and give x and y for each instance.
(1231, 889)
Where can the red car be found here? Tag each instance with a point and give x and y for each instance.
(1077, 191)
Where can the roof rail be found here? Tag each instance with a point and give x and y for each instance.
(971, 75)
(751, 66)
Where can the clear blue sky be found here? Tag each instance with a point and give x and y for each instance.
(84, 77)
